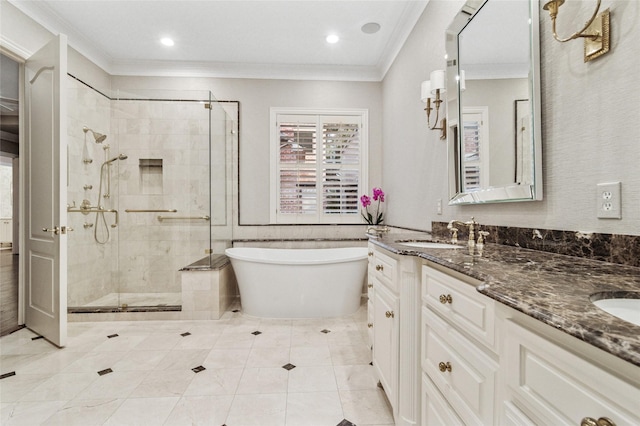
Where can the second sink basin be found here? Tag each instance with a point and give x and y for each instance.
(428, 245)
(623, 308)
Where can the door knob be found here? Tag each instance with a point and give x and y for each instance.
(389, 314)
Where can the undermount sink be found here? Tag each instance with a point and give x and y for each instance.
(428, 245)
(625, 308)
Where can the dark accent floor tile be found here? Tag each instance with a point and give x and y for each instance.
(5, 375)
(255, 333)
(37, 337)
(325, 331)
(105, 371)
(198, 369)
(111, 336)
(289, 366)
(346, 422)
(186, 334)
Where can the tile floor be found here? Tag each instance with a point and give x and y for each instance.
(230, 371)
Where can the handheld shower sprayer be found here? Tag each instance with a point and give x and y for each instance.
(105, 174)
(119, 157)
(99, 137)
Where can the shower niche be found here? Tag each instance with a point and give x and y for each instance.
(150, 176)
(168, 206)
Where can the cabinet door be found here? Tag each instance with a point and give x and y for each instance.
(385, 340)
(370, 320)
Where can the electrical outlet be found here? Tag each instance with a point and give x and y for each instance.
(439, 206)
(608, 201)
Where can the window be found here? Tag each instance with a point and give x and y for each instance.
(318, 167)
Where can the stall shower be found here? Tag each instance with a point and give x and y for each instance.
(157, 206)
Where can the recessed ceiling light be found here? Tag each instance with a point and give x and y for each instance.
(370, 28)
(332, 38)
(167, 41)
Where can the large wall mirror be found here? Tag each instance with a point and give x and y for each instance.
(493, 103)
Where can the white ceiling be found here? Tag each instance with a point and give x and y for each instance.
(233, 38)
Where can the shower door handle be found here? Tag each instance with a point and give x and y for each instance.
(58, 230)
(55, 230)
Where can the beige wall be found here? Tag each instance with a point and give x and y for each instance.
(589, 119)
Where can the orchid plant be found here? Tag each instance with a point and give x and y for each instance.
(378, 196)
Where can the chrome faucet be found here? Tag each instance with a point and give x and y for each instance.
(473, 227)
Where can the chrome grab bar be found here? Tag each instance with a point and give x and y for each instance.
(87, 210)
(151, 211)
(161, 218)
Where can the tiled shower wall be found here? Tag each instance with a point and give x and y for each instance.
(89, 263)
(176, 134)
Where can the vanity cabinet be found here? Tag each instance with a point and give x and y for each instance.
(394, 308)
(485, 363)
(458, 359)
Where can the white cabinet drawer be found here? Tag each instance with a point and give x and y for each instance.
(559, 387)
(512, 416)
(386, 269)
(436, 411)
(464, 374)
(459, 303)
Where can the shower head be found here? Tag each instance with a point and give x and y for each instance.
(119, 157)
(99, 137)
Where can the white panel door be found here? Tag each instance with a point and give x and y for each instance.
(45, 192)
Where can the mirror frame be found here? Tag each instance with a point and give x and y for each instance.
(509, 193)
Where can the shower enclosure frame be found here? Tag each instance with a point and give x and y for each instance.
(168, 220)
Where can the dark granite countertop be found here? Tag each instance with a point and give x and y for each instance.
(555, 289)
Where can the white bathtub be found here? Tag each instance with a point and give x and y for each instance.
(299, 283)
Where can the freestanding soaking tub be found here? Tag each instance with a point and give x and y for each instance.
(299, 283)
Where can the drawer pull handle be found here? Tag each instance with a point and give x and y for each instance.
(379, 268)
(602, 421)
(370, 253)
(446, 367)
(444, 299)
(370, 285)
(389, 314)
(370, 325)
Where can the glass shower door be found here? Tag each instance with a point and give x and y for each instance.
(164, 192)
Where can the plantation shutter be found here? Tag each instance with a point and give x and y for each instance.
(298, 192)
(319, 168)
(341, 165)
(472, 156)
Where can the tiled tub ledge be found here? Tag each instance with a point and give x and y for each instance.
(553, 288)
(209, 287)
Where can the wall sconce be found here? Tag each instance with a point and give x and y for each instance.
(596, 32)
(432, 89)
